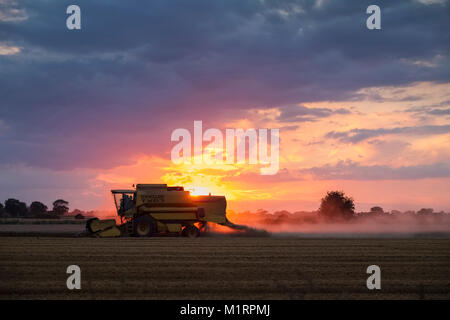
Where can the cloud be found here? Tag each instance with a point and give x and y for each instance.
(289, 128)
(430, 2)
(431, 109)
(10, 11)
(36, 184)
(299, 113)
(358, 135)
(6, 50)
(439, 111)
(348, 170)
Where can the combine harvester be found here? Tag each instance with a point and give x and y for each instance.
(156, 209)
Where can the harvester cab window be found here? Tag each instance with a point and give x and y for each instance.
(127, 202)
(124, 201)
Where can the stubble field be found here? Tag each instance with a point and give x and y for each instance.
(223, 268)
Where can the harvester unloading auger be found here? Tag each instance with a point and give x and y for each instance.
(158, 209)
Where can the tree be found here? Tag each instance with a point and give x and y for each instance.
(16, 208)
(336, 206)
(2, 210)
(425, 211)
(37, 208)
(376, 210)
(60, 207)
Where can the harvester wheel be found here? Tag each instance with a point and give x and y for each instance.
(191, 232)
(143, 226)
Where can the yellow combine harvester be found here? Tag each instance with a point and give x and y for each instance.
(156, 209)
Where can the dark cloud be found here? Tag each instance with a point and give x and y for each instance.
(439, 111)
(288, 128)
(348, 170)
(431, 110)
(138, 70)
(358, 135)
(296, 113)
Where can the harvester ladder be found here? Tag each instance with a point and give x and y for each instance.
(129, 226)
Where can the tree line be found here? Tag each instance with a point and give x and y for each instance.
(18, 209)
(336, 206)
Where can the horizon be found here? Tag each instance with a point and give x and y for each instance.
(112, 210)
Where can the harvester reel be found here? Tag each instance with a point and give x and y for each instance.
(143, 226)
(88, 225)
(102, 228)
(191, 231)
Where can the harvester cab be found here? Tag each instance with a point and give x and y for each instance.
(124, 200)
(156, 209)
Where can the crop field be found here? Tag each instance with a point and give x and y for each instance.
(223, 268)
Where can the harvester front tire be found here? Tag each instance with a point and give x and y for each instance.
(143, 227)
(191, 232)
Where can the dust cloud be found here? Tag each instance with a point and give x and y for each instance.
(309, 224)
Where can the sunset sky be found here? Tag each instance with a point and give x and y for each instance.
(363, 111)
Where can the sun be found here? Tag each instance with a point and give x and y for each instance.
(200, 179)
(199, 191)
